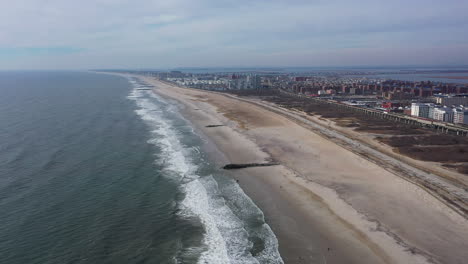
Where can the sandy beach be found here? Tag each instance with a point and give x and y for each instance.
(324, 203)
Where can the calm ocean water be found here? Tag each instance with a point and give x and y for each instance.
(93, 170)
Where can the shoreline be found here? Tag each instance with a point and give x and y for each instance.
(296, 230)
(318, 211)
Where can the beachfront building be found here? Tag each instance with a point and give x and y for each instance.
(201, 83)
(421, 110)
(238, 84)
(245, 82)
(254, 81)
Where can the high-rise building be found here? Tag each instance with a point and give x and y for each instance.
(245, 82)
(254, 82)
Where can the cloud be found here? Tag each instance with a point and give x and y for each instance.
(157, 33)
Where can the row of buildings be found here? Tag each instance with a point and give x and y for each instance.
(389, 89)
(314, 84)
(455, 99)
(452, 114)
(230, 82)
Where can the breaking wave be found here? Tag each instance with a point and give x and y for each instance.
(227, 234)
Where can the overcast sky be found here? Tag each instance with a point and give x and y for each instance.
(80, 34)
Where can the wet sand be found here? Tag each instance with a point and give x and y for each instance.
(324, 203)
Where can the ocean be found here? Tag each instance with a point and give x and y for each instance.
(95, 169)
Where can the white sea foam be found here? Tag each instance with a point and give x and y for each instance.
(226, 239)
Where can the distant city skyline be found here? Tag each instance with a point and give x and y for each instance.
(223, 33)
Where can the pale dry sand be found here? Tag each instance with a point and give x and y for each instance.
(324, 203)
(370, 139)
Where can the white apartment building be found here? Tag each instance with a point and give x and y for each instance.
(444, 114)
(421, 110)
